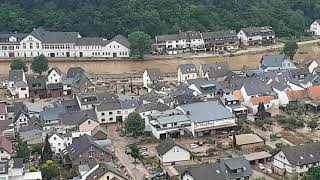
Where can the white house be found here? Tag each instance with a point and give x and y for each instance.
(59, 142)
(295, 161)
(61, 44)
(109, 111)
(268, 101)
(276, 62)
(315, 27)
(169, 152)
(17, 85)
(151, 76)
(54, 76)
(187, 72)
(256, 35)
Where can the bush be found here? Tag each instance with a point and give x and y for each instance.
(312, 124)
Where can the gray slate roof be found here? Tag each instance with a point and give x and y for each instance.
(109, 105)
(273, 60)
(165, 146)
(206, 111)
(36, 83)
(52, 113)
(303, 154)
(77, 117)
(90, 41)
(54, 37)
(188, 68)
(15, 75)
(55, 86)
(129, 104)
(154, 74)
(121, 40)
(152, 106)
(73, 71)
(256, 31)
(56, 69)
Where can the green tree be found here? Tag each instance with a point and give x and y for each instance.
(140, 43)
(312, 124)
(40, 64)
(46, 152)
(134, 123)
(49, 170)
(290, 49)
(135, 153)
(22, 149)
(313, 174)
(18, 64)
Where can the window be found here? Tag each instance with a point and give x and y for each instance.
(31, 46)
(24, 46)
(102, 114)
(2, 151)
(103, 120)
(91, 148)
(38, 45)
(4, 47)
(111, 119)
(89, 122)
(54, 138)
(59, 144)
(118, 112)
(110, 113)
(91, 154)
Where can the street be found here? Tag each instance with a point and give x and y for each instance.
(119, 144)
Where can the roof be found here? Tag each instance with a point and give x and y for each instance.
(77, 117)
(80, 145)
(215, 66)
(166, 145)
(90, 41)
(159, 85)
(56, 69)
(152, 106)
(171, 37)
(15, 75)
(273, 60)
(254, 86)
(303, 154)
(73, 71)
(262, 99)
(104, 168)
(238, 94)
(220, 36)
(172, 119)
(314, 92)
(154, 74)
(108, 105)
(188, 68)
(20, 84)
(297, 95)
(257, 155)
(256, 31)
(244, 139)
(121, 40)
(129, 104)
(54, 37)
(3, 108)
(6, 144)
(206, 111)
(52, 113)
(220, 170)
(36, 83)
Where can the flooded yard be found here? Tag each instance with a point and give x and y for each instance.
(170, 64)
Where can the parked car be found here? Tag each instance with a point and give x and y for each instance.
(192, 145)
(144, 153)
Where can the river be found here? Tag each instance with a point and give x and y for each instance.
(168, 65)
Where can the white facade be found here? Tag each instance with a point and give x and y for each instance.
(175, 154)
(184, 77)
(53, 77)
(4, 155)
(146, 79)
(315, 28)
(59, 143)
(108, 116)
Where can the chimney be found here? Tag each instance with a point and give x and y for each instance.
(188, 113)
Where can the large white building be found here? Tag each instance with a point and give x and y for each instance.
(61, 44)
(315, 27)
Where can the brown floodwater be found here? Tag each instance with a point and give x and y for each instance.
(168, 65)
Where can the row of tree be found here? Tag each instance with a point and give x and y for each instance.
(110, 17)
(39, 64)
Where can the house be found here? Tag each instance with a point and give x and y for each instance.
(180, 42)
(295, 161)
(3, 111)
(87, 100)
(54, 76)
(236, 168)
(109, 111)
(37, 87)
(269, 102)
(99, 133)
(276, 62)
(169, 152)
(18, 86)
(174, 125)
(150, 108)
(247, 142)
(253, 87)
(205, 88)
(77, 84)
(214, 71)
(83, 121)
(20, 115)
(84, 150)
(256, 36)
(208, 117)
(58, 142)
(221, 41)
(14, 169)
(315, 27)
(88, 122)
(128, 106)
(186, 72)
(55, 90)
(6, 148)
(74, 71)
(105, 170)
(151, 76)
(233, 103)
(50, 118)
(160, 88)
(61, 44)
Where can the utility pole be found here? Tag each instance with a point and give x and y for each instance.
(131, 86)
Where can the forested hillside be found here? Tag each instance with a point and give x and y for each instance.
(110, 17)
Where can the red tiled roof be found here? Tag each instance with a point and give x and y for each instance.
(261, 99)
(297, 95)
(314, 92)
(6, 144)
(238, 94)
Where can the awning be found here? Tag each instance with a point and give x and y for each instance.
(215, 127)
(257, 156)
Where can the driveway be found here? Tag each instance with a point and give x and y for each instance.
(119, 145)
